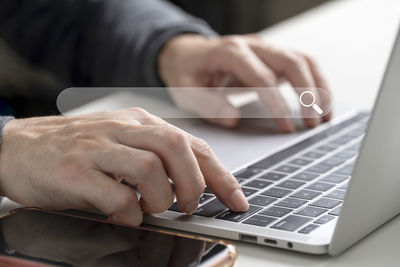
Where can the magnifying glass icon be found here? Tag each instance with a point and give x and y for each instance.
(313, 105)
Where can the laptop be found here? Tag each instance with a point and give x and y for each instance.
(319, 194)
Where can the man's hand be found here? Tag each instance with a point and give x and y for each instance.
(72, 162)
(196, 61)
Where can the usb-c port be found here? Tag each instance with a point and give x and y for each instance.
(248, 238)
(270, 241)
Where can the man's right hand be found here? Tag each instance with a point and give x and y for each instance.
(79, 162)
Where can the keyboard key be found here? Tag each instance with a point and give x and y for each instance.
(308, 229)
(287, 169)
(333, 161)
(291, 203)
(272, 176)
(247, 173)
(276, 211)
(327, 148)
(290, 184)
(324, 219)
(261, 200)
(319, 186)
(259, 220)
(270, 161)
(342, 140)
(319, 168)
(306, 194)
(211, 208)
(305, 176)
(346, 154)
(355, 147)
(240, 180)
(174, 207)
(204, 198)
(337, 194)
(344, 187)
(248, 191)
(300, 162)
(291, 223)
(234, 216)
(311, 211)
(313, 155)
(356, 133)
(326, 203)
(332, 178)
(260, 184)
(276, 192)
(336, 211)
(346, 170)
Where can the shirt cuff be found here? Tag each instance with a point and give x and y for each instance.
(3, 122)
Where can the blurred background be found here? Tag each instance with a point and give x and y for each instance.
(245, 16)
(21, 83)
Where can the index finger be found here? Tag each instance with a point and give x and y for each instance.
(294, 68)
(217, 177)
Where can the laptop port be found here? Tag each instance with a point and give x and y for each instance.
(270, 241)
(248, 238)
(290, 245)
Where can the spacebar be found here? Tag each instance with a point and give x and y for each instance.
(285, 153)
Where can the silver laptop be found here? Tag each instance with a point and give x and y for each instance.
(320, 194)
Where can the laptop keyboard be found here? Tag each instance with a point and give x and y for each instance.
(299, 188)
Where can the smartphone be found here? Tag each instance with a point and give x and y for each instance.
(31, 237)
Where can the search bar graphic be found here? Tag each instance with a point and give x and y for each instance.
(312, 104)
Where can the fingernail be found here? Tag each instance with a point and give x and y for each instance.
(288, 125)
(228, 122)
(191, 208)
(239, 201)
(312, 123)
(228, 116)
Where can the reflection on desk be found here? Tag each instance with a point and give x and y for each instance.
(56, 239)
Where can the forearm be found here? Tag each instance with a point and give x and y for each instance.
(95, 43)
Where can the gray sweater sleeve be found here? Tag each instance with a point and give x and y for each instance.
(95, 42)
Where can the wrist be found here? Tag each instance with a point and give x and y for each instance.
(176, 54)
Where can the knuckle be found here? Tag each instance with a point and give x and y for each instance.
(174, 138)
(124, 200)
(270, 78)
(233, 41)
(150, 162)
(139, 111)
(114, 124)
(294, 61)
(311, 60)
(202, 148)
